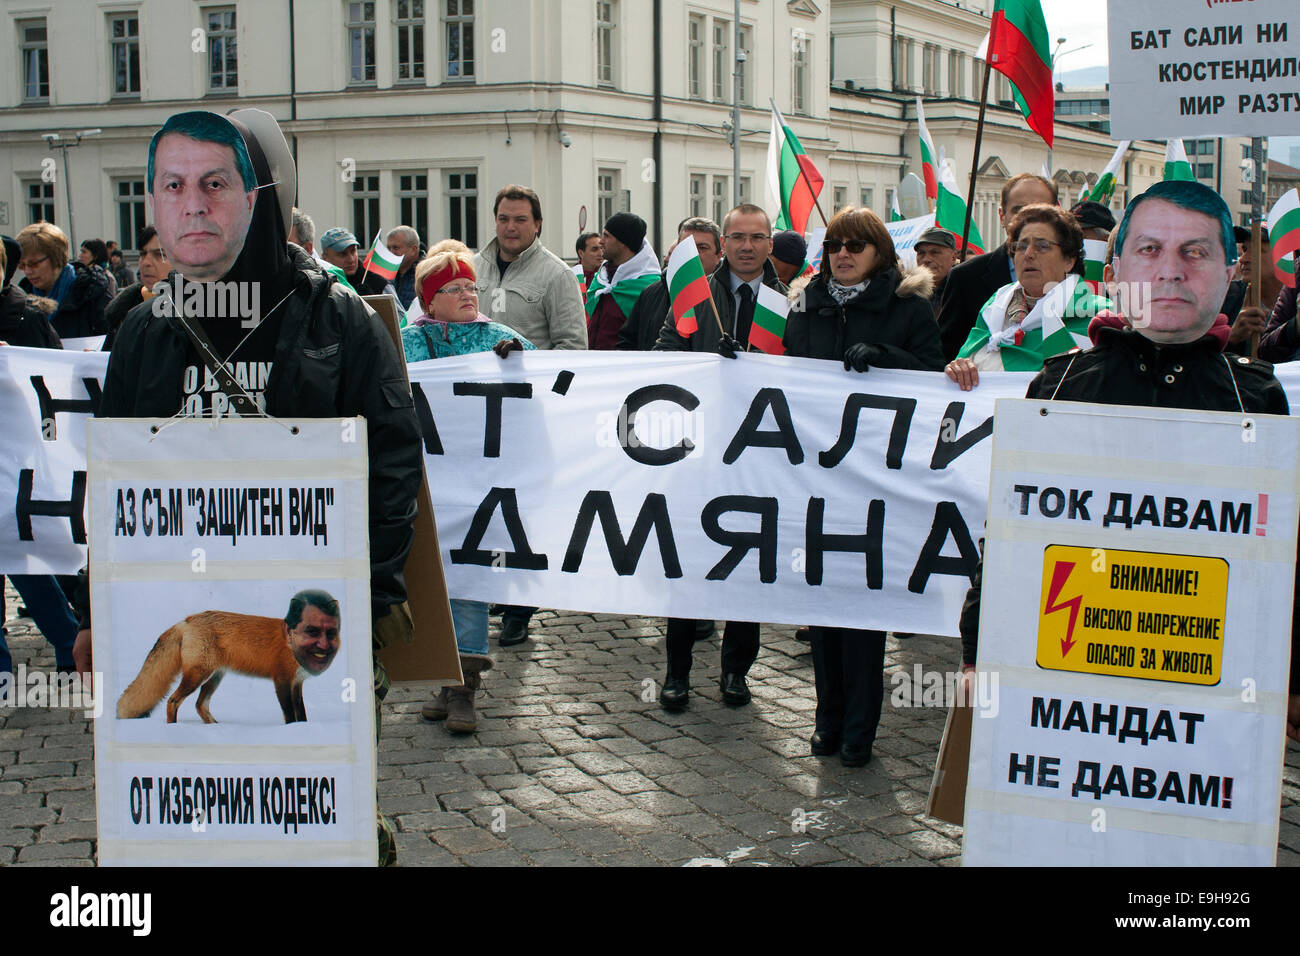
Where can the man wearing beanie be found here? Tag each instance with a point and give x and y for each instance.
(789, 252)
(630, 267)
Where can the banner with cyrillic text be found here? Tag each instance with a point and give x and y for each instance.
(1140, 652)
(757, 489)
(1217, 68)
(230, 591)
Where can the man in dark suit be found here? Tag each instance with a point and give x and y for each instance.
(971, 283)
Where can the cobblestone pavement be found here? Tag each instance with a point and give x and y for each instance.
(572, 765)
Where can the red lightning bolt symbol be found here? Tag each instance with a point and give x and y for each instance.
(1061, 574)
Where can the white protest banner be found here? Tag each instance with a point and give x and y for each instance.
(90, 343)
(46, 397)
(1136, 612)
(1220, 68)
(905, 233)
(234, 555)
(756, 489)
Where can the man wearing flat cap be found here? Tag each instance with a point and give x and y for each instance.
(1094, 219)
(936, 250)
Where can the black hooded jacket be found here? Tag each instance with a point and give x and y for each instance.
(333, 359)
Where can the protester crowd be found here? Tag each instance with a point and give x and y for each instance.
(1017, 307)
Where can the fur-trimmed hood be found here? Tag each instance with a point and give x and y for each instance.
(916, 282)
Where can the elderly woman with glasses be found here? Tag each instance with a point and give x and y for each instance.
(1047, 309)
(80, 292)
(863, 309)
(451, 324)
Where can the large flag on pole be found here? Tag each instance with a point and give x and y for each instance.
(770, 311)
(380, 261)
(1019, 49)
(688, 286)
(1284, 231)
(1176, 164)
(793, 182)
(1104, 187)
(950, 210)
(927, 155)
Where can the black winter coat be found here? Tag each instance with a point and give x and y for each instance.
(24, 323)
(892, 312)
(707, 337)
(81, 313)
(1125, 368)
(334, 359)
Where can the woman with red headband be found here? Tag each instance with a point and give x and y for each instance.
(452, 325)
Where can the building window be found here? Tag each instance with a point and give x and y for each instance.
(746, 48)
(223, 69)
(1204, 170)
(1246, 197)
(721, 198)
(40, 201)
(124, 54)
(462, 206)
(841, 197)
(413, 201)
(867, 196)
(459, 23)
(889, 203)
(607, 187)
(605, 47)
(746, 189)
(34, 52)
(129, 198)
(365, 208)
(799, 76)
(956, 76)
(408, 16)
(361, 42)
(697, 189)
(721, 59)
(695, 57)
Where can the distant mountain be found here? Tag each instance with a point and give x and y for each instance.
(1087, 76)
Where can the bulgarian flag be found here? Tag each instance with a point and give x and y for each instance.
(895, 214)
(628, 282)
(1094, 261)
(688, 286)
(1104, 187)
(1176, 164)
(927, 156)
(950, 211)
(336, 272)
(770, 311)
(380, 261)
(793, 182)
(1019, 49)
(1284, 230)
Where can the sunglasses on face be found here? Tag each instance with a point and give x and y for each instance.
(854, 246)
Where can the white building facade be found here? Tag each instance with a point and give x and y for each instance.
(418, 111)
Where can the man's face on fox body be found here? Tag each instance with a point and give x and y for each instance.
(315, 640)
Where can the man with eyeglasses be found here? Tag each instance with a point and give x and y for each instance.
(971, 283)
(746, 247)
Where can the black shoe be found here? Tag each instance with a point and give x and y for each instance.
(676, 691)
(824, 744)
(496, 608)
(803, 635)
(23, 612)
(852, 756)
(513, 631)
(734, 690)
(903, 635)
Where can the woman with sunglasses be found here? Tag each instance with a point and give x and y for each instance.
(1047, 309)
(446, 284)
(861, 309)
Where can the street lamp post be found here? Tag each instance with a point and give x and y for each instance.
(54, 141)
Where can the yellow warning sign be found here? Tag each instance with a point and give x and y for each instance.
(1132, 614)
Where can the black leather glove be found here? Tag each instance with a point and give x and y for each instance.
(861, 356)
(727, 346)
(506, 346)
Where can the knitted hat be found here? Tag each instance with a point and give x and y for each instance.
(789, 247)
(628, 229)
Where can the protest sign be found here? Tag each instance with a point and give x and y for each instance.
(755, 489)
(1220, 68)
(905, 233)
(1136, 610)
(233, 554)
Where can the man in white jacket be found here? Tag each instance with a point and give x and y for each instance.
(523, 284)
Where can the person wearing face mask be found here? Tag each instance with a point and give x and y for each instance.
(862, 309)
(1044, 312)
